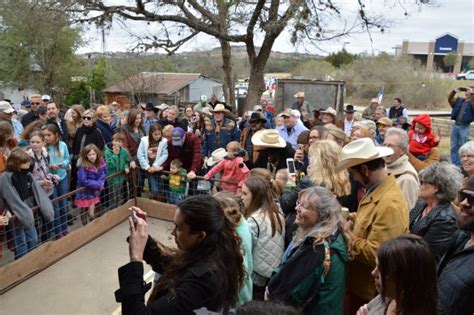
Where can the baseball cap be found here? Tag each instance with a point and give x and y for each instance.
(177, 137)
(203, 98)
(46, 98)
(287, 112)
(6, 107)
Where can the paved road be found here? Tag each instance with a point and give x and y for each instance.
(83, 282)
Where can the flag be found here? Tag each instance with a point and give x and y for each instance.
(380, 95)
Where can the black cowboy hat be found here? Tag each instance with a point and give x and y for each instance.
(257, 117)
(349, 109)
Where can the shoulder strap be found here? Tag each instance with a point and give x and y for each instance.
(258, 227)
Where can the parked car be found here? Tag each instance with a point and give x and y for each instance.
(468, 75)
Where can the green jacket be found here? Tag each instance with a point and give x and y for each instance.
(300, 281)
(116, 163)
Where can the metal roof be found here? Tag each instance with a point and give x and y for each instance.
(154, 83)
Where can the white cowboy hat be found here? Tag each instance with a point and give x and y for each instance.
(268, 138)
(330, 111)
(162, 106)
(361, 151)
(220, 108)
(299, 94)
(216, 156)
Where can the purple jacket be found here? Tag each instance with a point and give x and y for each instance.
(91, 178)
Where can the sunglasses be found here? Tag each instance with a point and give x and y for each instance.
(87, 118)
(35, 103)
(463, 195)
(149, 109)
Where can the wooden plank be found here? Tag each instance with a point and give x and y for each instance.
(47, 254)
(156, 209)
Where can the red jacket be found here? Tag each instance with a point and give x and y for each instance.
(231, 170)
(421, 144)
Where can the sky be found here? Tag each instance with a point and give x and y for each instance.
(421, 24)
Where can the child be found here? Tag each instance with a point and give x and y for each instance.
(152, 153)
(167, 131)
(177, 182)
(282, 178)
(42, 174)
(20, 192)
(421, 137)
(117, 159)
(90, 175)
(232, 168)
(59, 162)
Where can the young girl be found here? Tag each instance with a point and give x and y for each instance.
(42, 174)
(232, 168)
(20, 192)
(267, 227)
(90, 175)
(59, 162)
(421, 137)
(152, 153)
(6, 137)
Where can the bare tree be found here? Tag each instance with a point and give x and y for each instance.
(253, 23)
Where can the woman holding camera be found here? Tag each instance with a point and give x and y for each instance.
(205, 271)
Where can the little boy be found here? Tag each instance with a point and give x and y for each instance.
(232, 168)
(177, 182)
(421, 137)
(117, 160)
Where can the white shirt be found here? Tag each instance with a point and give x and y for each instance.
(348, 126)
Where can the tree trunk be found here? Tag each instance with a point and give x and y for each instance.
(229, 94)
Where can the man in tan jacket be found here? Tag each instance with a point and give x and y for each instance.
(382, 215)
(399, 166)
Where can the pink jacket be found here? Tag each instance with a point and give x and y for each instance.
(232, 170)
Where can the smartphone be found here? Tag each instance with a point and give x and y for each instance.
(134, 218)
(463, 89)
(290, 164)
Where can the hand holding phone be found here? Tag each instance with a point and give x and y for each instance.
(290, 163)
(134, 219)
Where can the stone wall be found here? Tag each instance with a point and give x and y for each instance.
(444, 126)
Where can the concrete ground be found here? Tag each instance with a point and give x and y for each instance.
(83, 282)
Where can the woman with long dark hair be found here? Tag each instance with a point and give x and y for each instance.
(405, 277)
(205, 271)
(267, 226)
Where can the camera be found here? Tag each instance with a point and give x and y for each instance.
(463, 89)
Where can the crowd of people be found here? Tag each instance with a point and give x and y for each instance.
(371, 219)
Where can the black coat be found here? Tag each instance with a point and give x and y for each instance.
(183, 123)
(277, 156)
(436, 228)
(456, 277)
(92, 135)
(197, 287)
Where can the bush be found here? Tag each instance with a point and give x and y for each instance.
(314, 69)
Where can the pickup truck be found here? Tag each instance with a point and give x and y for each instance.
(468, 75)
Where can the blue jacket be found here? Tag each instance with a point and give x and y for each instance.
(211, 141)
(105, 130)
(63, 159)
(468, 115)
(93, 179)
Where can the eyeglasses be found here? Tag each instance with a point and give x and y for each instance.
(300, 205)
(87, 118)
(463, 195)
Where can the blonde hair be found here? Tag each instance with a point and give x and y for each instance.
(102, 110)
(90, 113)
(167, 130)
(233, 146)
(324, 156)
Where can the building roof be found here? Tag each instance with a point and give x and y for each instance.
(154, 83)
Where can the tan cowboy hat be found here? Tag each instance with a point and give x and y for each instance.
(220, 108)
(361, 151)
(385, 121)
(330, 111)
(299, 94)
(268, 138)
(216, 156)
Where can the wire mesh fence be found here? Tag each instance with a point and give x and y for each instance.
(17, 239)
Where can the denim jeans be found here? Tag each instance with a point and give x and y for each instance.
(156, 184)
(115, 196)
(61, 208)
(459, 136)
(25, 239)
(174, 198)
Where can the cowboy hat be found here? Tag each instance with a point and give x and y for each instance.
(268, 138)
(349, 109)
(216, 156)
(361, 151)
(385, 121)
(257, 117)
(287, 113)
(220, 108)
(299, 94)
(330, 111)
(162, 106)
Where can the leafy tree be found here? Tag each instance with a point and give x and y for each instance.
(450, 60)
(37, 46)
(238, 22)
(340, 58)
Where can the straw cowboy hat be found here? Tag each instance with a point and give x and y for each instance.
(299, 94)
(220, 108)
(330, 111)
(268, 138)
(361, 151)
(216, 156)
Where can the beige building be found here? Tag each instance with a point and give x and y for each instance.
(432, 53)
